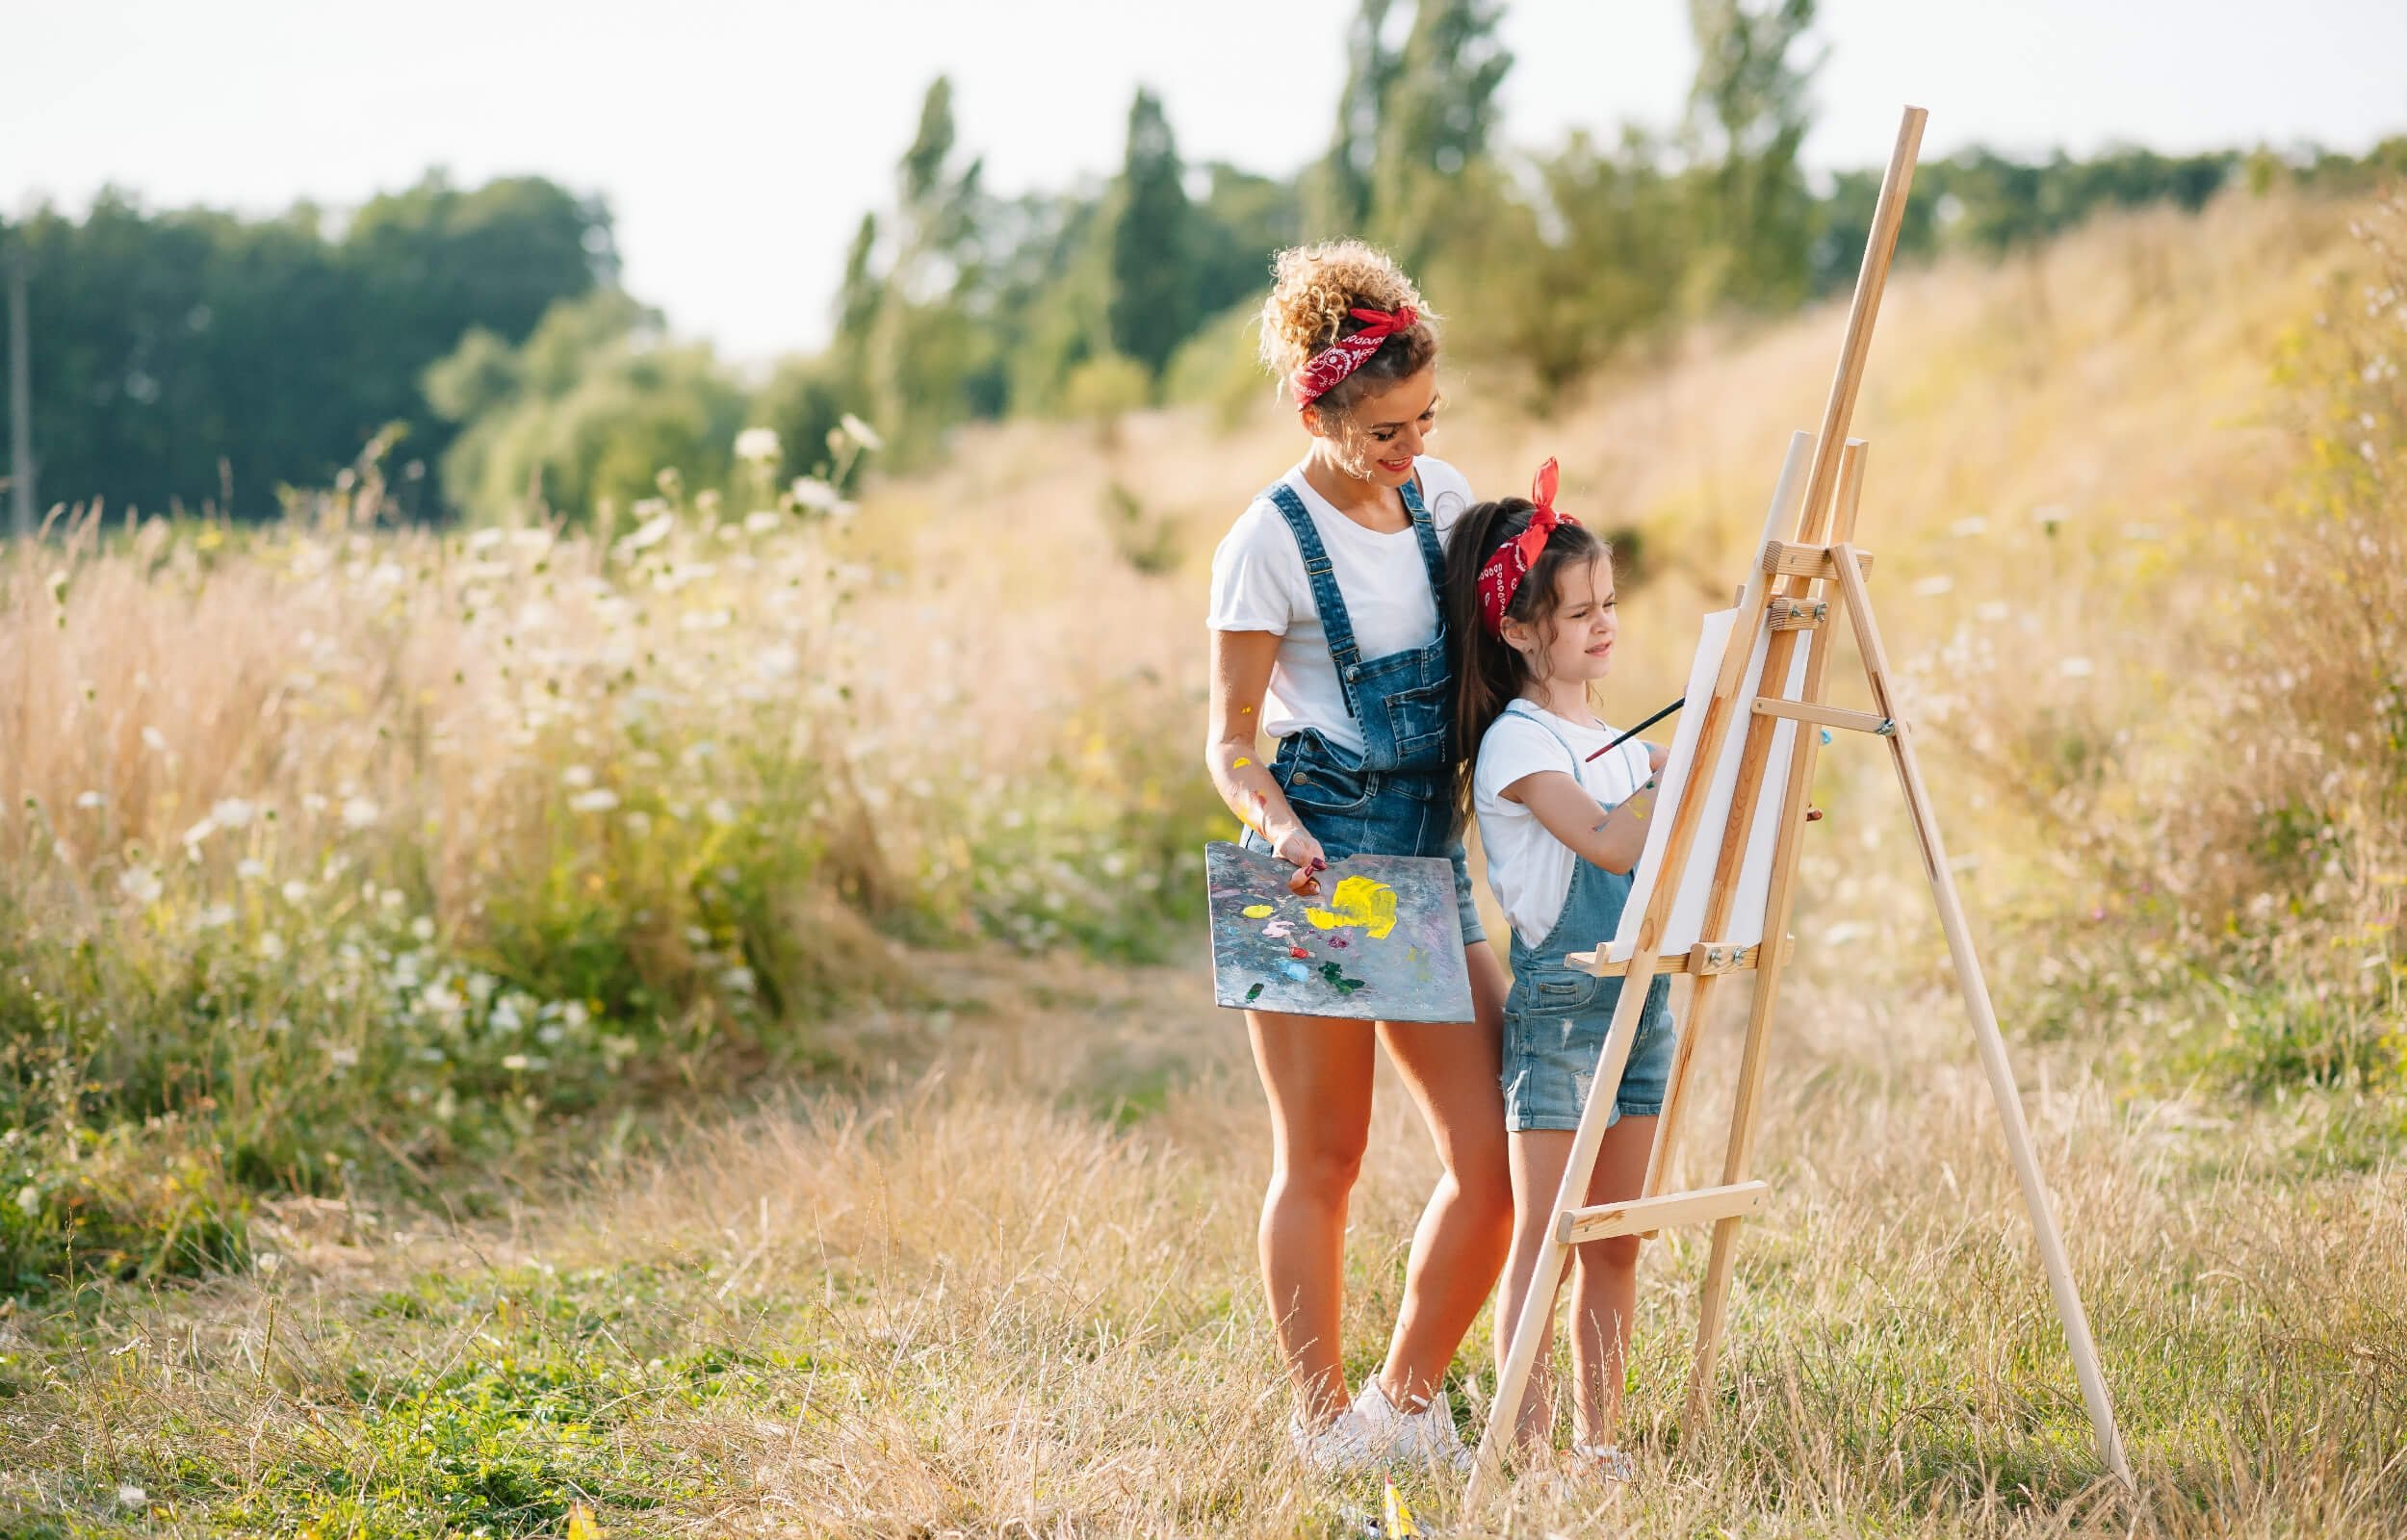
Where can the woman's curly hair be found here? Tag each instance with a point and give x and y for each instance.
(1314, 288)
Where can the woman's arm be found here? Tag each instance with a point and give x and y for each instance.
(1241, 663)
(1562, 807)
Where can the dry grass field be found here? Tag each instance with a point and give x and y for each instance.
(814, 1135)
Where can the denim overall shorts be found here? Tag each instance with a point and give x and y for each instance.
(1556, 1017)
(1396, 797)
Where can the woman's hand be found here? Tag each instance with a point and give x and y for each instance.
(1298, 847)
(1657, 756)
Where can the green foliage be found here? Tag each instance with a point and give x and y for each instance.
(1749, 109)
(584, 415)
(198, 356)
(1152, 294)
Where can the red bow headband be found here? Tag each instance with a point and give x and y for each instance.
(1500, 576)
(1320, 374)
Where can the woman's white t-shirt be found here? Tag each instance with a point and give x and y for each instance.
(1258, 584)
(1529, 868)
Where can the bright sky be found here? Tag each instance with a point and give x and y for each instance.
(739, 143)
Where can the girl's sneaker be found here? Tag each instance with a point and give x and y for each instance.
(1607, 1460)
(1425, 1438)
(1344, 1446)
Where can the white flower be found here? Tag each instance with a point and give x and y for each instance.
(200, 831)
(574, 1014)
(513, 1060)
(720, 810)
(814, 494)
(422, 928)
(359, 812)
(600, 798)
(139, 884)
(737, 981)
(757, 444)
(531, 541)
(91, 799)
(2075, 668)
(250, 869)
(639, 823)
(577, 776)
(439, 1000)
(216, 916)
(761, 520)
(29, 1198)
(862, 432)
(651, 534)
(341, 1058)
(270, 944)
(777, 661)
(296, 890)
(1933, 586)
(154, 740)
(505, 1017)
(311, 802)
(130, 1496)
(485, 540)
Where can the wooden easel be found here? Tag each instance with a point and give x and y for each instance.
(1790, 592)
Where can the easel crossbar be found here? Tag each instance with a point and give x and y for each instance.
(1828, 716)
(1645, 1216)
(1702, 959)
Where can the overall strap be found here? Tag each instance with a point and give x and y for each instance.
(1433, 554)
(1538, 717)
(1337, 625)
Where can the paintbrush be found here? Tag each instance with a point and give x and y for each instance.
(1640, 727)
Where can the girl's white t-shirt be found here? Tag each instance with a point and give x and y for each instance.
(1529, 868)
(1258, 584)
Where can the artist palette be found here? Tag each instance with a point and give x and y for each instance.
(1382, 940)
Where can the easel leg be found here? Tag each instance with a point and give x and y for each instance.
(1985, 1034)
(1539, 1304)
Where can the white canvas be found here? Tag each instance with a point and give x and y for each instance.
(1746, 927)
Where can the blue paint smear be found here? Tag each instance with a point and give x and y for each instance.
(1296, 970)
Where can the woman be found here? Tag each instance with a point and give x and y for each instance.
(1326, 632)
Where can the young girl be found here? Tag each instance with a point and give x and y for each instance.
(1530, 597)
(1327, 635)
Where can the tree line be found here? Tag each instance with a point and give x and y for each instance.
(199, 359)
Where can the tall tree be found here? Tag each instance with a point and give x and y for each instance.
(1749, 111)
(1339, 197)
(1152, 244)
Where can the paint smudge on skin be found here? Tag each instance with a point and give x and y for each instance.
(1242, 763)
(1296, 971)
(1359, 900)
(1252, 994)
(1336, 975)
(1255, 911)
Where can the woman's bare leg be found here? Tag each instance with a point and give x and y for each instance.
(1317, 1075)
(1451, 1069)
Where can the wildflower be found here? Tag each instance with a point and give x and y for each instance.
(1935, 585)
(2075, 668)
(485, 540)
(296, 890)
(737, 981)
(574, 1014)
(250, 869)
(29, 1198)
(513, 1060)
(577, 776)
(270, 944)
(652, 533)
(422, 928)
(154, 740)
(862, 432)
(532, 541)
(761, 520)
(311, 802)
(815, 495)
(505, 1019)
(639, 823)
(139, 884)
(341, 1058)
(130, 1496)
(216, 916)
(600, 798)
(199, 831)
(720, 810)
(359, 812)
(758, 445)
(91, 799)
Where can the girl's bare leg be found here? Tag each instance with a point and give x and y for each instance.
(1538, 1159)
(1451, 1069)
(1317, 1075)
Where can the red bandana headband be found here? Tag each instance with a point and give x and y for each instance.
(1500, 576)
(1321, 373)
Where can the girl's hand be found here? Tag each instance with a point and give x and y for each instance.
(1302, 851)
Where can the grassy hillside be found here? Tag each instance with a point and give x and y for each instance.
(702, 1023)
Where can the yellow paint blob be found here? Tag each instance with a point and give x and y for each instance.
(1242, 763)
(1255, 911)
(1359, 900)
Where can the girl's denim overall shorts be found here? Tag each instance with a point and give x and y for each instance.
(1555, 1017)
(1396, 797)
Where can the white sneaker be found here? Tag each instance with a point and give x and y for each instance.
(1425, 1438)
(1344, 1446)
(1607, 1460)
